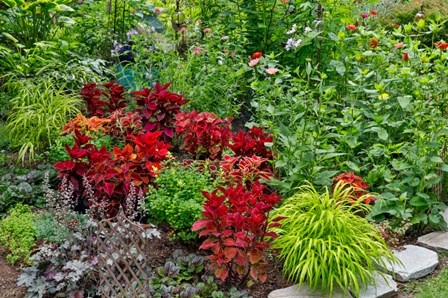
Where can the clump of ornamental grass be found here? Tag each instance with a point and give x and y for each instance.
(324, 242)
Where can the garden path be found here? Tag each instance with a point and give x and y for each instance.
(8, 278)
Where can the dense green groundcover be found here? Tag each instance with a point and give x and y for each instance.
(236, 124)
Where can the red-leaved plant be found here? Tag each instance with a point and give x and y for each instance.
(110, 174)
(122, 124)
(244, 170)
(159, 108)
(236, 224)
(204, 135)
(101, 101)
(252, 143)
(359, 186)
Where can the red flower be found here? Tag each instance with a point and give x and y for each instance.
(395, 25)
(351, 27)
(257, 55)
(441, 45)
(373, 13)
(405, 57)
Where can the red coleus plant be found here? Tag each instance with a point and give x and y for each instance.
(122, 124)
(84, 124)
(159, 108)
(101, 101)
(359, 186)
(204, 135)
(236, 223)
(244, 170)
(110, 174)
(252, 142)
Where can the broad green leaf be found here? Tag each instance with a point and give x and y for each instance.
(404, 101)
(352, 166)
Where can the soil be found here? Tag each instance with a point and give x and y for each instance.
(8, 278)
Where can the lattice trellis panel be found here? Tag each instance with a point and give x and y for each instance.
(122, 252)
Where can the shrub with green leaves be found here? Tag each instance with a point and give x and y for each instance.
(325, 243)
(21, 185)
(18, 233)
(177, 199)
(38, 113)
(48, 228)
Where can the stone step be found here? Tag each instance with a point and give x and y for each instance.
(437, 241)
(382, 287)
(416, 262)
(304, 291)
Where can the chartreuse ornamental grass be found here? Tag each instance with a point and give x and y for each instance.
(38, 113)
(324, 242)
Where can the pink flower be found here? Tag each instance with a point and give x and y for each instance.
(253, 62)
(158, 10)
(226, 51)
(197, 50)
(364, 15)
(199, 22)
(183, 29)
(272, 70)
(351, 27)
(398, 45)
(207, 30)
(284, 1)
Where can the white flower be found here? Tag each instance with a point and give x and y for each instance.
(307, 29)
(293, 29)
(292, 43)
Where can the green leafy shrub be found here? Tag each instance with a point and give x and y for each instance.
(33, 21)
(37, 113)
(48, 228)
(324, 242)
(19, 185)
(18, 233)
(177, 199)
(390, 12)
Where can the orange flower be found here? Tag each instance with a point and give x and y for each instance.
(373, 42)
(405, 57)
(351, 27)
(441, 45)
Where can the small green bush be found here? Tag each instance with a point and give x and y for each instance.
(324, 243)
(18, 233)
(177, 199)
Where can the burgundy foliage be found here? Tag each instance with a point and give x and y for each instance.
(252, 142)
(204, 135)
(159, 108)
(110, 173)
(103, 100)
(236, 225)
